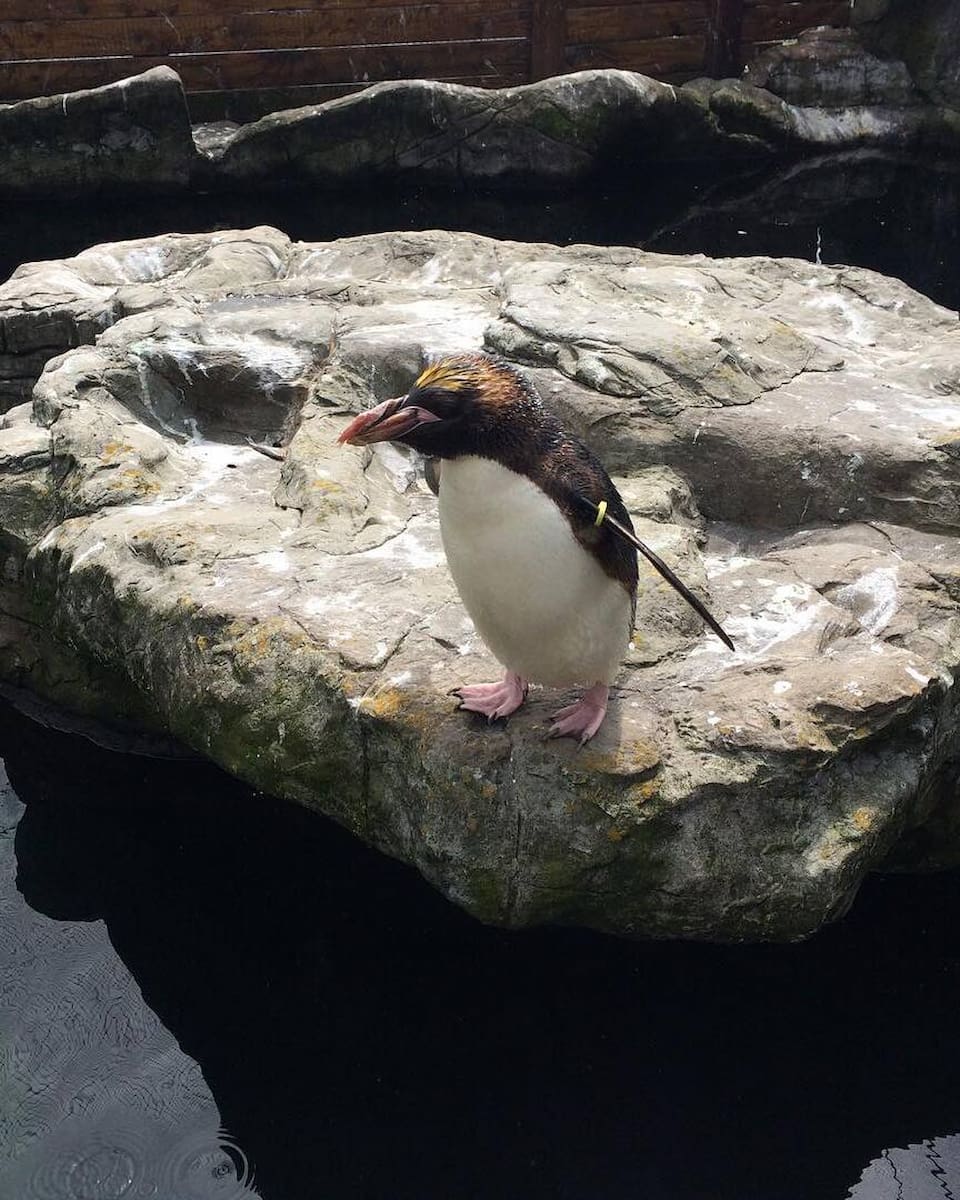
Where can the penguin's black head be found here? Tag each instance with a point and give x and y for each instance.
(461, 404)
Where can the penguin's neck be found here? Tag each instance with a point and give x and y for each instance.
(520, 447)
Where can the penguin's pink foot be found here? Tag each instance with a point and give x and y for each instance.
(583, 719)
(493, 700)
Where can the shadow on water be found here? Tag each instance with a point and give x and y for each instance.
(901, 218)
(364, 1039)
(868, 209)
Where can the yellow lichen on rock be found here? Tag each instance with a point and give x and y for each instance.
(863, 818)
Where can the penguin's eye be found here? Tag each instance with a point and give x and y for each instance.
(442, 402)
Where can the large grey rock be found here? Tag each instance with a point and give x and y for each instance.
(556, 131)
(131, 134)
(829, 68)
(295, 621)
(567, 129)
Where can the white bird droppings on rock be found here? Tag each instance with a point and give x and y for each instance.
(790, 610)
(87, 552)
(716, 565)
(277, 562)
(409, 551)
(872, 598)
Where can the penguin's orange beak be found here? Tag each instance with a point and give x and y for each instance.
(387, 422)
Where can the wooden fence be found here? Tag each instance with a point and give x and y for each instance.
(264, 52)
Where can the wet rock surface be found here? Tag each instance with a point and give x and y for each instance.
(831, 95)
(831, 68)
(784, 432)
(134, 134)
(826, 93)
(925, 34)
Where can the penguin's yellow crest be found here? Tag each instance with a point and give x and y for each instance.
(450, 374)
(490, 379)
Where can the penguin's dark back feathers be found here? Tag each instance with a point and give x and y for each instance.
(572, 476)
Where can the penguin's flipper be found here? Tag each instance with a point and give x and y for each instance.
(603, 517)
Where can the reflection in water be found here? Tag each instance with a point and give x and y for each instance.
(930, 1171)
(361, 1038)
(129, 1156)
(901, 218)
(99, 1102)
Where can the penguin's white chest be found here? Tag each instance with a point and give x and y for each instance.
(542, 604)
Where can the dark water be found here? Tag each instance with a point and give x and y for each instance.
(897, 216)
(188, 955)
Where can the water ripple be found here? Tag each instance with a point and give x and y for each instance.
(97, 1100)
(200, 1169)
(134, 1163)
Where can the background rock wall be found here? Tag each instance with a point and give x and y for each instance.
(925, 34)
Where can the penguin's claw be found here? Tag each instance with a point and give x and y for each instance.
(493, 700)
(582, 719)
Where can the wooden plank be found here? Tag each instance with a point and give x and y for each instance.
(638, 4)
(275, 68)
(283, 68)
(723, 52)
(547, 28)
(631, 22)
(474, 19)
(658, 57)
(770, 22)
(842, 6)
(67, 10)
